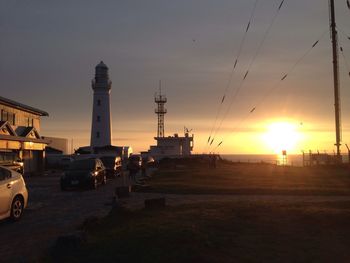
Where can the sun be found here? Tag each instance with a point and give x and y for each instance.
(281, 136)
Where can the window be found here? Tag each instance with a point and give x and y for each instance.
(97, 134)
(4, 115)
(11, 118)
(98, 165)
(98, 102)
(30, 122)
(4, 174)
(98, 118)
(8, 116)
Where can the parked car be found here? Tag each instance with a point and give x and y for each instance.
(15, 165)
(65, 162)
(87, 172)
(113, 166)
(135, 162)
(13, 194)
(148, 161)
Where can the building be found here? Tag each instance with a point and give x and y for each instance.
(101, 129)
(171, 146)
(57, 144)
(20, 135)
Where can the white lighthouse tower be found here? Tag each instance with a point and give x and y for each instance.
(101, 130)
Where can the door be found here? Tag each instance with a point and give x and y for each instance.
(5, 190)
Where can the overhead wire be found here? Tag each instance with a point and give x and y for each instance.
(342, 32)
(257, 51)
(236, 61)
(345, 61)
(278, 83)
(292, 68)
(342, 52)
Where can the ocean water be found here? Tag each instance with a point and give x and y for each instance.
(291, 159)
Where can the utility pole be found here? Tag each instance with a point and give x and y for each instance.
(334, 36)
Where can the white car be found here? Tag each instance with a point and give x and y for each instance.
(13, 194)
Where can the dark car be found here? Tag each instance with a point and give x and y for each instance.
(135, 162)
(148, 161)
(84, 173)
(113, 166)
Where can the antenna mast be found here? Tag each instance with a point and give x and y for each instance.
(334, 36)
(160, 110)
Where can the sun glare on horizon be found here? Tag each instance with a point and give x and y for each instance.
(281, 136)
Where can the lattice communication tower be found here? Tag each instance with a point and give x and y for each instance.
(160, 111)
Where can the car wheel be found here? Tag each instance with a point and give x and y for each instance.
(94, 183)
(17, 208)
(104, 180)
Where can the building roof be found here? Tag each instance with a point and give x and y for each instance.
(102, 65)
(27, 130)
(7, 126)
(20, 106)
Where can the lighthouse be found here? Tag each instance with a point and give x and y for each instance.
(101, 129)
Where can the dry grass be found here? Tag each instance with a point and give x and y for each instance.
(229, 231)
(252, 179)
(221, 232)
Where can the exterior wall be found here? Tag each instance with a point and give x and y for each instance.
(13, 146)
(187, 145)
(58, 143)
(32, 153)
(101, 129)
(22, 118)
(172, 147)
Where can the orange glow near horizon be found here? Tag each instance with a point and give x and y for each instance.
(281, 136)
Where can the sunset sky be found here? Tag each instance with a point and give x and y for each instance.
(49, 50)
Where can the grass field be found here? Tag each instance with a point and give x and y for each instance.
(221, 232)
(228, 231)
(252, 179)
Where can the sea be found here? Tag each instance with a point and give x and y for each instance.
(290, 159)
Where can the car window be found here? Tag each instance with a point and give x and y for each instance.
(4, 174)
(98, 164)
(82, 165)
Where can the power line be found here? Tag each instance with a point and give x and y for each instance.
(345, 61)
(283, 78)
(291, 69)
(257, 51)
(234, 67)
(342, 51)
(342, 32)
